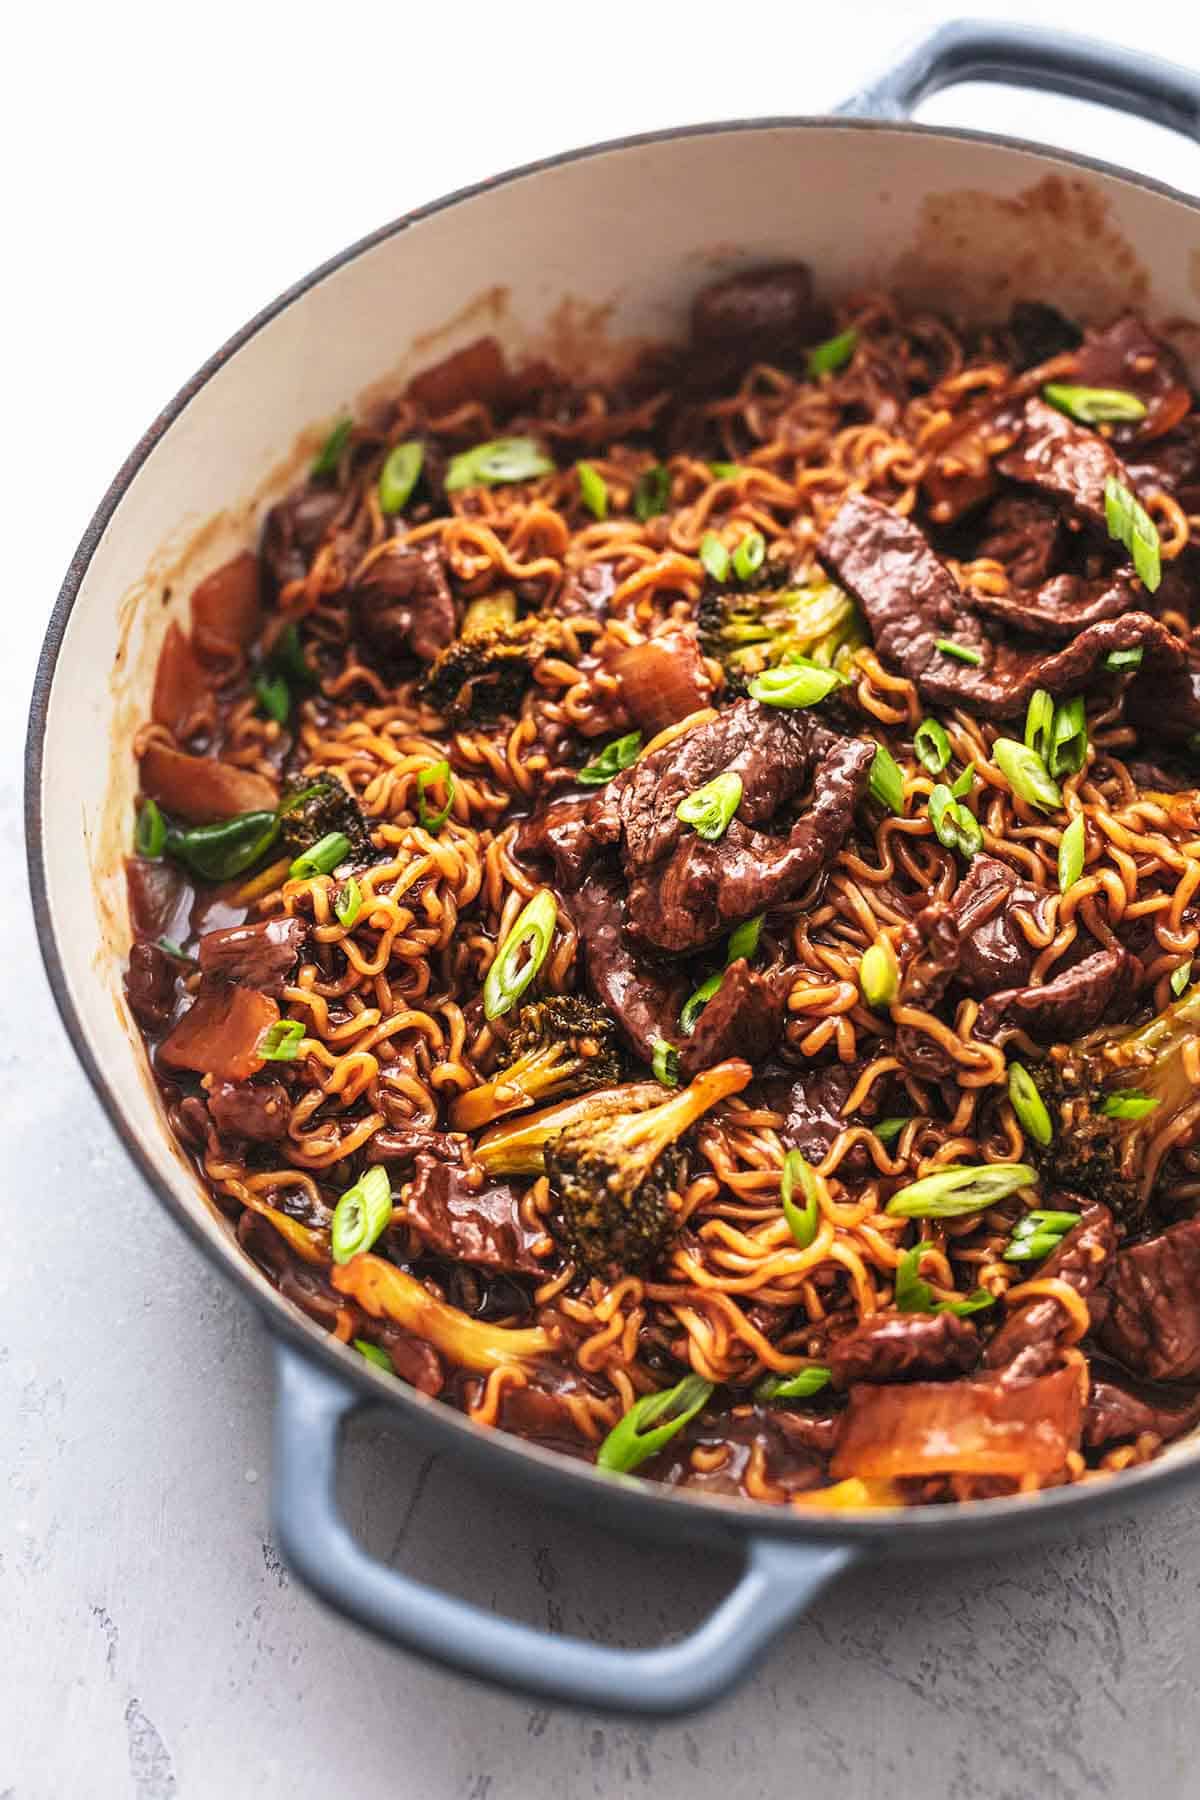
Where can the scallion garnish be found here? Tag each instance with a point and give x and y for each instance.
(800, 1386)
(521, 954)
(878, 974)
(593, 490)
(1128, 1105)
(281, 1042)
(710, 808)
(725, 471)
(361, 1215)
(1121, 662)
(1181, 978)
(399, 475)
(497, 463)
(1037, 1233)
(824, 358)
(1093, 405)
(437, 775)
(330, 454)
(954, 825)
(931, 746)
(743, 942)
(664, 1062)
(373, 1354)
(321, 858)
(912, 1293)
(348, 903)
(888, 1130)
(887, 780)
(960, 1188)
(748, 555)
(802, 1220)
(652, 492)
(220, 851)
(714, 556)
(274, 696)
(696, 1002)
(1026, 774)
(651, 1423)
(1068, 739)
(1039, 723)
(965, 653)
(1028, 1105)
(743, 939)
(622, 753)
(1130, 524)
(169, 947)
(150, 832)
(1071, 849)
(286, 657)
(794, 684)
(963, 785)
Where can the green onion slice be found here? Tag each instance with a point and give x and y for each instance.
(398, 477)
(1128, 1106)
(961, 652)
(1131, 525)
(1181, 978)
(330, 454)
(1120, 662)
(150, 832)
(878, 975)
(800, 1386)
(888, 1130)
(714, 556)
(1093, 406)
(913, 1293)
(620, 754)
(1037, 1233)
(802, 1220)
(652, 492)
(281, 1042)
(963, 784)
(348, 903)
(321, 858)
(521, 954)
(710, 808)
(1071, 849)
(593, 490)
(833, 354)
(438, 774)
(274, 696)
(743, 942)
(696, 1003)
(498, 463)
(794, 685)
(955, 825)
(748, 555)
(931, 746)
(743, 939)
(887, 780)
(286, 656)
(1026, 774)
(960, 1188)
(373, 1354)
(1039, 723)
(665, 1059)
(231, 846)
(1068, 739)
(361, 1215)
(725, 471)
(651, 1423)
(170, 948)
(1028, 1105)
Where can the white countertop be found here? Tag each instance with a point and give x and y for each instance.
(169, 171)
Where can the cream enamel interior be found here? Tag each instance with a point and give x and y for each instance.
(637, 228)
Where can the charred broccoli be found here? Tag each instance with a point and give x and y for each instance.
(1112, 1095)
(563, 1045)
(312, 806)
(484, 672)
(614, 1173)
(750, 632)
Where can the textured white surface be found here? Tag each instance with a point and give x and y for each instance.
(170, 172)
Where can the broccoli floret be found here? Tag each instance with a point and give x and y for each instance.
(614, 1173)
(484, 672)
(314, 805)
(563, 1045)
(750, 632)
(1097, 1092)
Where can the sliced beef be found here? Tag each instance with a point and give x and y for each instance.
(586, 592)
(903, 1347)
(911, 599)
(302, 1283)
(988, 904)
(1120, 1408)
(414, 1360)
(542, 1415)
(1062, 605)
(1127, 355)
(929, 956)
(1153, 1322)
(160, 898)
(150, 986)
(257, 1110)
(1099, 987)
(1038, 332)
(745, 1018)
(569, 834)
(1166, 706)
(259, 956)
(402, 606)
(468, 1224)
(401, 1143)
(757, 312)
(983, 1425)
(1033, 1329)
(1069, 463)
(643, 997)
(292, 533)
(1170, 463)
(1025, 535)
(811, 1102)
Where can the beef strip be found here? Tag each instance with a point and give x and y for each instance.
(1039, 332)
(569, 834)
(1127, 355)
(911, 599)
(1153, 1322)
(586, 592)
(987, 905)
(293, 531)
(257, 1110)
(1032, 1331)
(402, 606)
(259, 956)
(304, 1284)
(744, 1018)
(1024, 533)
(1170, 463)
(929, 956)
(903, 1347)
(1120, 1408)
(1062, 605)
(644, 998)
(1064, 1008)
(150, 986)
(757, 312)
(414, 1360)
(401, 1143)
(468, 1224)
(1166, 706)
(811, 1102)
(1069, 463)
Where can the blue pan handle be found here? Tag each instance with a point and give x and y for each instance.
(1028, 56)
(777, 1582)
